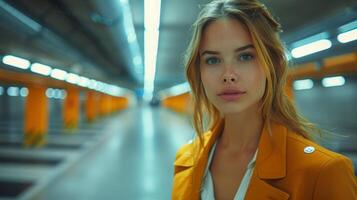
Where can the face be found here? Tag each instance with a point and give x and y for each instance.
(232, 77)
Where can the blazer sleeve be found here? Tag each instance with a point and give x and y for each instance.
(336, 180)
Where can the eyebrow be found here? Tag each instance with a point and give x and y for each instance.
(236, 50)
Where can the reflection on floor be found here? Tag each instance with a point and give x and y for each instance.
(126, 156)
(129, 155)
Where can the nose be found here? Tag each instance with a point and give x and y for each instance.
(229, 78)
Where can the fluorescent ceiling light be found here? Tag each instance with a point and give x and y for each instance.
(24, 92)
(311, 48)
(16, 62)
(333, 81)
(59, 74)
(13, 91)
(1, 90)
(41, 69)
(57, 94)
(83, 81)
(105, 88)
(50, 93)
(347, 36)
(115, 90)
(92, 84)
(151, 37)
(303, 84)
(152, 14)
(72, 78)
(100, 86)
(151, 45)
(63, 94)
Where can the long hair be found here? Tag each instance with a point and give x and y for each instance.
(264, 31)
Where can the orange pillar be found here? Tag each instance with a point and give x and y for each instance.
(105, 104)
(124, 102)
(36, 116)
(179, 103)
(112, 104)
(115, 104)
(71, 108)
(91, 106)
(102, 104)
(289, 88)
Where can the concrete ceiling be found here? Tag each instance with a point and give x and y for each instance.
(74, 39)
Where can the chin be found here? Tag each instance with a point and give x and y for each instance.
(230, 109)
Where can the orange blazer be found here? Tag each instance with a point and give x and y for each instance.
(287, 167)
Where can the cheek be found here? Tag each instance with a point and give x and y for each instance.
(261, 81)
(208, 82)
(257, 79)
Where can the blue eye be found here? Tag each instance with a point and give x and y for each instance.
(246, 57)
(212, 61)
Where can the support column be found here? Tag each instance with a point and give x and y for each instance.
(91, 106)
(101, 104)
(122, 103)
(289, 88)
(71, 108)
(36, 116)
(108, 104)
(180, 103)
(104, 104)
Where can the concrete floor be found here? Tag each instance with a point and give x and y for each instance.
(134, 161)
(126, 156)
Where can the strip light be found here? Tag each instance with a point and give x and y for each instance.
(72, 78)
(333, 81)
(24, 92)
(151, 37)
(311, 48)
(303, 84)
(13, 91)
(83, 81)
(41, 69)
(348, 36)
(59, 74)
(16, 62)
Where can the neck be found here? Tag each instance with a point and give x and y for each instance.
(242, 131)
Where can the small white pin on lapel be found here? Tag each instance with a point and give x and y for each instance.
(309, 149)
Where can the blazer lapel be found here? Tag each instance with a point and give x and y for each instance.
(270, 164)
(259, 189)
(199, 168)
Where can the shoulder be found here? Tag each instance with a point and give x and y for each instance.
(310, 151)
(304, 153)
(331, 174)
(185, 154)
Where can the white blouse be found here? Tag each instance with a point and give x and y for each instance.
(207, 189)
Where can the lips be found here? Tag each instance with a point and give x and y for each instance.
(231, 94)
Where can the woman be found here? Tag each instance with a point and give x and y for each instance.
(257, 146)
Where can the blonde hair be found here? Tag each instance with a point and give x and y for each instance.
(264, 30)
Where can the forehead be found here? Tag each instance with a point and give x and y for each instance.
(225, 33)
